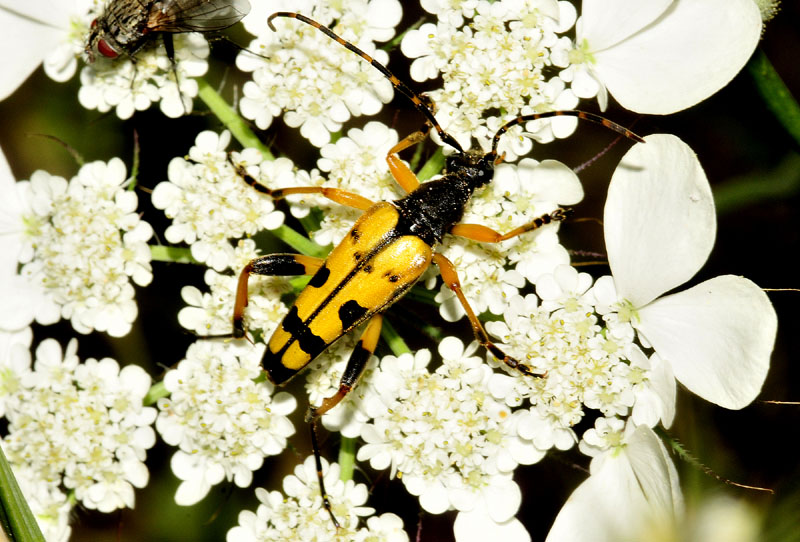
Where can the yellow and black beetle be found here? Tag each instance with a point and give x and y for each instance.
(385, 252)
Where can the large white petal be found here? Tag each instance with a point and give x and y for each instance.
(607, 22)
(553, 181)
(478, 526)
(10, 218)
(655, 473)
(30, 31)
(624, 496)
(717, 336)
(694, 49)
(659, 220)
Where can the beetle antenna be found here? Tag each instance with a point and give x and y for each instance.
(421, 104)
(567, 113)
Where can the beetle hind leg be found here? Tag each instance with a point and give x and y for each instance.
(355, 368)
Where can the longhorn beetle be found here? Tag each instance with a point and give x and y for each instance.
(384, 254)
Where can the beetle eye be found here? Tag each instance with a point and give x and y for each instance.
(94, 23)
(105, 49)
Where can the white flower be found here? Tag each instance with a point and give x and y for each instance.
(15, 364)
(319, 83)
(661, 56)
(82, 244)
(210, 203)
(299, 515)
(659, 226)
(49, 505)
(496, 62)
(586, 363)
(40, 31)
(453, 444)
(82, 425)
(223, 421)
(632, 492)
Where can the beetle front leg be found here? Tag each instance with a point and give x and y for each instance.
(343, 197)
(406, 178)
(450, 278)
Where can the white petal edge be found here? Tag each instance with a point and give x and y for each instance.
(553, 181)
(659, 220)
(623, 495)
(477, 526)
(693, 50)
(26, 40)
(717, 337)
(605, 23)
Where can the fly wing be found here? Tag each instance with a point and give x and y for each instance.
(195, 15)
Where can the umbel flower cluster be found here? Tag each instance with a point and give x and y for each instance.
(449, 421)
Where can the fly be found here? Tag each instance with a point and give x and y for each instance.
(125, 26)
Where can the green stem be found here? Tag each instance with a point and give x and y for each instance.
(432, 167)
(164, 253)
(17, 518)
(421, 294)
(775, 93)
(347, 458)
(396, 343)
(299, 242)
(232, 121)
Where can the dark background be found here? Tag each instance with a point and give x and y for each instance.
(737, 139)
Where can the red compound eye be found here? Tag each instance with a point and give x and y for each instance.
(94, 23)
(105, 49)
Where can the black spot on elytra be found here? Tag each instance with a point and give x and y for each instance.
(391, 276)
(351, 313)
(277, 371)
(367, 269)
(320, 277)
(309, 343)
(357, 255)
(355, 234)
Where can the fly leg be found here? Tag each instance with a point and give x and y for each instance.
(169, 46)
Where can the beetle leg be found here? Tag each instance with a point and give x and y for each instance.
(343, 197)
(450, 278)
(318, 464)
(271, 265)
(484, 234)
(355, 368)
(400, 171)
